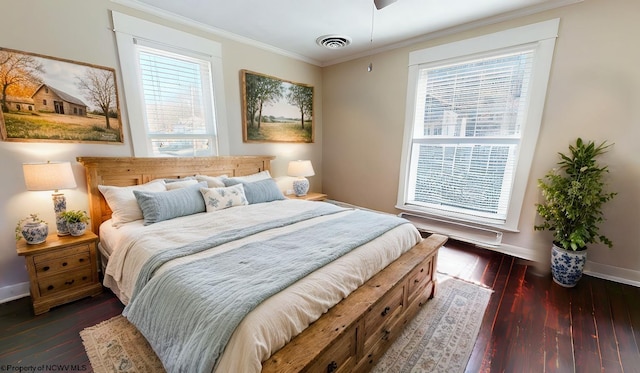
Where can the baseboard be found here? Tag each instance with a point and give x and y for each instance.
(617, 274)
(13, 292)
(603, 271)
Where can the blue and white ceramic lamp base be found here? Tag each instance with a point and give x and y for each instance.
(301, 187)
(60, 206)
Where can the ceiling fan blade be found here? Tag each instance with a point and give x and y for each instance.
(382, 3)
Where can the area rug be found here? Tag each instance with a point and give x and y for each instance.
(441, 336)
(439, 339)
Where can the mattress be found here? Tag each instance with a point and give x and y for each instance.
(275, 321)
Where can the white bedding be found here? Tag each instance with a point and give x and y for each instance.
(272, 324)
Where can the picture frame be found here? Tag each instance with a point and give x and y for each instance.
(276, 110)
(49, 99)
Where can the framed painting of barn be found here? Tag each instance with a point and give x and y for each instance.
(276, 110)
(48, 99)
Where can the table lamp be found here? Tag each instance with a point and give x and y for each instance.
(300, 169)
(51, 176)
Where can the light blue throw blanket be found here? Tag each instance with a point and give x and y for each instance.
(189, 312)
(156, 261)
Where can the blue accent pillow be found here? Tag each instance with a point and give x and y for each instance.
(258, 191)
(159, 206)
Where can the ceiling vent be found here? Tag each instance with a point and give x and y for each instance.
(333, 41)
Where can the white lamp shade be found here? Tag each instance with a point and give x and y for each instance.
(300, 169)
(48, 176)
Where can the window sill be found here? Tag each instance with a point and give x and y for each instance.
(463, 231)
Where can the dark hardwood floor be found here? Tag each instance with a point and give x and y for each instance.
(531, 324)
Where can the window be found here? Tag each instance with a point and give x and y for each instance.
(174, 89)
(472, 123)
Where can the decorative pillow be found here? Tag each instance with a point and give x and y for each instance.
(262, 175)
(222, 198)
(212, 181)
(180, 184)
(258, 191)
(122, 201)
(159, 206)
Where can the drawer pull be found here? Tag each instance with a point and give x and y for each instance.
(332, 367)
(69, 282)
(385, 337)
(50, 287)
(81, 260)
(416, 281)
(386, 311)
(64, 264)
(84, 278)
(45, 268)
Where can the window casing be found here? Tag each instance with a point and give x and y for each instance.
(173, 88)
(473, 114)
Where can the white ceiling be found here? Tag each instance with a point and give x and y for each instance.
(291, 27)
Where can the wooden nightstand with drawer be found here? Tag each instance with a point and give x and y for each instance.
(61, 269)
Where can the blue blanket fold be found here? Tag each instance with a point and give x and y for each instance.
(189, 312)
(156, 261)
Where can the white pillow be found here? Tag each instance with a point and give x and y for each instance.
(254, 177)
(123, 203)
(222, 198)
(180, 184)
(212, 181)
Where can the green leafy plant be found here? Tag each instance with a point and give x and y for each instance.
(32, 218)
(574, 193)
(75, 216)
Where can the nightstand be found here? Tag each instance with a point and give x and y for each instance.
(61, 269)
(309, 197)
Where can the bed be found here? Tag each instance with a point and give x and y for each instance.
(339, 315)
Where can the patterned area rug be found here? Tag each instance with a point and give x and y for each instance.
(441, 336)
(439, 339)
(116, 345)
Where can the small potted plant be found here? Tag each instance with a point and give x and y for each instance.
(76, 221)
(33, 229)
(574, 194)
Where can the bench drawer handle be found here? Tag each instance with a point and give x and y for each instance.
(332, 367)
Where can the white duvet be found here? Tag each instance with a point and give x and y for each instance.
(273, 323)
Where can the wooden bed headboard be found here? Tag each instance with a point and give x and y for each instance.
(126, 171)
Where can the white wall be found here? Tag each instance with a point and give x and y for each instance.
(81, 30)
(593, 93)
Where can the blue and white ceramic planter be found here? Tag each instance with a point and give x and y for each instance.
(567, 266)
(35, 232)
(77, 229)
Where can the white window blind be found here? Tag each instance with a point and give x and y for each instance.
(473, 115)
(174, 87)
(467, 133)
(178, 103)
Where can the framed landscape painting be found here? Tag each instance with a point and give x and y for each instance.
(47, 99)
(276, 110)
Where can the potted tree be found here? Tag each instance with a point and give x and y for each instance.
(574, 193)
(76, 221)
